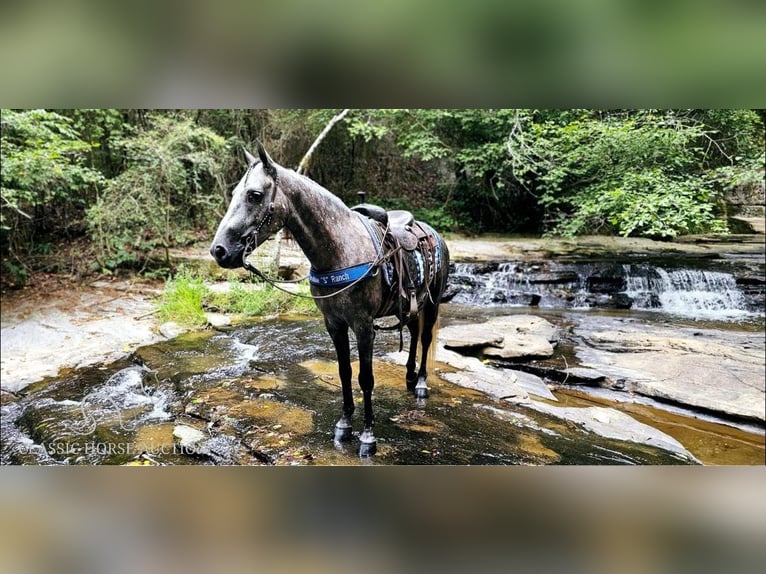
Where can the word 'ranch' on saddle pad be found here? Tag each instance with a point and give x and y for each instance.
(409, 253)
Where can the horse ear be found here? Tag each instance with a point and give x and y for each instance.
(249, 157)
(268, 163)
(265, 158)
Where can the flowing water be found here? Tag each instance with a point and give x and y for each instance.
(679, 291)
(267, 392)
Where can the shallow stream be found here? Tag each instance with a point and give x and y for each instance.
(268, 393)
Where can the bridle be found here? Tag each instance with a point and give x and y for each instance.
(251, 239)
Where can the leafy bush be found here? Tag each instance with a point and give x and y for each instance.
(648, 204)
(632, 173)
(162, 194)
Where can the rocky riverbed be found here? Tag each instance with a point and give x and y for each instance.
(612, 374)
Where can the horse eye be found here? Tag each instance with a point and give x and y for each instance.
(254, 195)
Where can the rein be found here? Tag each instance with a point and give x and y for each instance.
(253, 239)
(275, 282)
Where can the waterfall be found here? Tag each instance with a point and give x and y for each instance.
(693, 293)
(687, 292)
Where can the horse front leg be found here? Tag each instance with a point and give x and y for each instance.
(339, 336)
(365, 337)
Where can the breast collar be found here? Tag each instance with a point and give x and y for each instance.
(346, 275)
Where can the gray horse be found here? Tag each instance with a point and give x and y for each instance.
(364, 264)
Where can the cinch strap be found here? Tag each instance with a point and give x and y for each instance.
(340, 277)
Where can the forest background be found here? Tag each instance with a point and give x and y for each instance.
(89, 191)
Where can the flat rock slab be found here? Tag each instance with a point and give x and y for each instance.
(714, 370)
(611, 423)
(524, 325)
(534, 385)
(470, 336)
(68, 327)
(507, 337)
(521, 346)
(498, 385)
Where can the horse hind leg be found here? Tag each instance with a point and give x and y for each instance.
(411, 377)
(430, 320)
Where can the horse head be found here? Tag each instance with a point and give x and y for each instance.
(257, 210)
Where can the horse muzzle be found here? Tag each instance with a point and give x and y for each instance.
(228, 257)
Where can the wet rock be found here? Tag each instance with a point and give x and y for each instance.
(583, 376)
(605, 283)
(523, 325)
(171, 330)
(216, 320)
(717, 372)
(7, 397)
(470, 336)
(188, 436)
(521, 347)
(534, 385)
(499, 383)
(64, 328)
(494, 383)
(508, 337)
(611, 423)
(562, 276)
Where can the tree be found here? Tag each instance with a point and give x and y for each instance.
(44, 178)
(168, 187)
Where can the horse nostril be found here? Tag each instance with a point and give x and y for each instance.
(219, 252)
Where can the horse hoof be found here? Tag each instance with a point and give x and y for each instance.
(367, 449)
(368, 446)
(342, 434)
(421, 392)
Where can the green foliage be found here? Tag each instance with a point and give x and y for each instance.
(470, 144)
(745, 173)
(182, 300)
(187, 295)
(42, 162)
(632, 173)
(138, 182)
(168, 186)
(263, 300)
(648, 204)
(44, 180)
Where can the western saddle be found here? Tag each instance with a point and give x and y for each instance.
(410, 251)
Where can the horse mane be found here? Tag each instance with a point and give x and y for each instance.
(304, 183)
